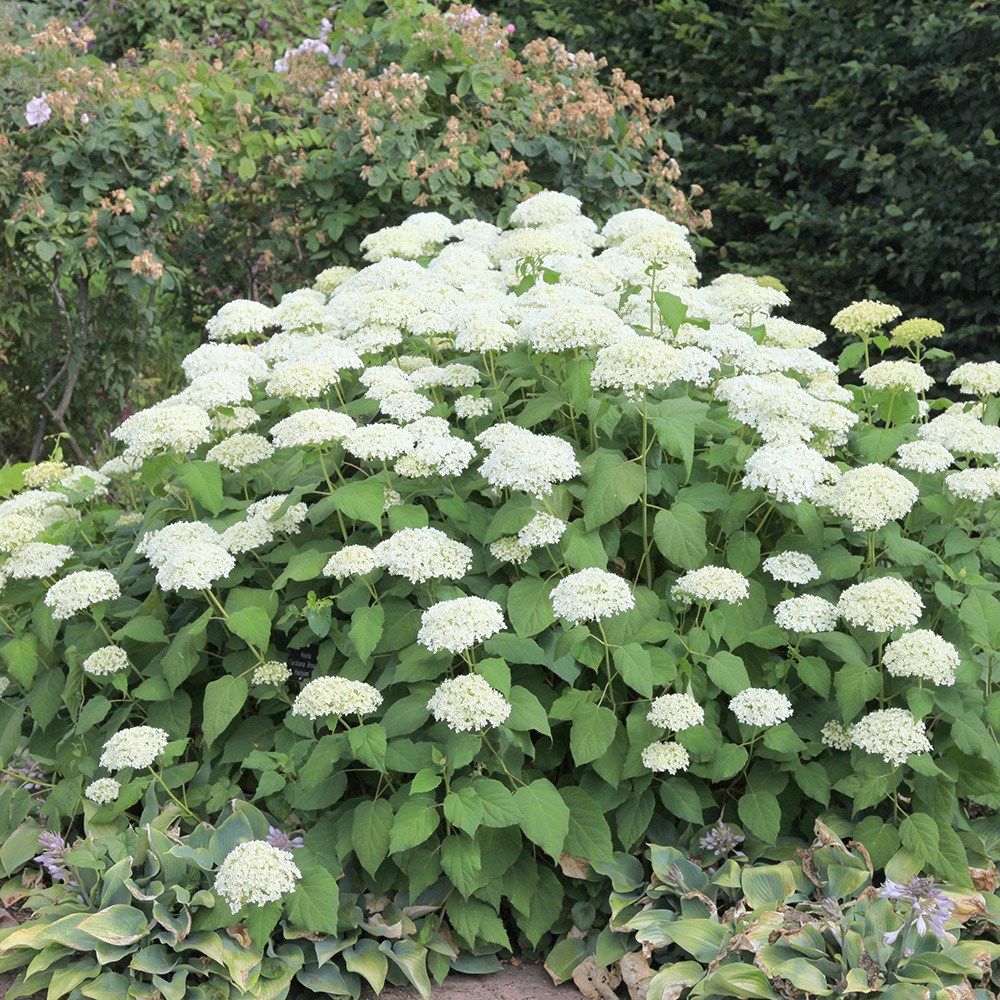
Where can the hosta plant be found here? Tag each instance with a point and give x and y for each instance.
(512, 549)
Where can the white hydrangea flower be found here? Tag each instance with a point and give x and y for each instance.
(978, 485)
(892, 734)
(792, 567)
(397, 241)
(531, 463)
(267, 510)
(103, 790)
(312, 428)
(510, 549)
(663, 756)
(436, 456)
(167, 426)
(351, 560)
(459, 624)
(962, 432)
(676, 712)
(468, 704)
(864, 318)
(781, 332)
(4, 681)
(836, 735)
(907, 375)
(871, 496)
(245, 536)
(187, 555)
(136, 747)
(301, 379)
(761, 707)
(18, 529)
(806, 615)
(405, 406)
(209, 359)
(303, 308)
(977, 379)
(216, 390)
(591, 595)
(582, 322)
(329, 280)
(922, 653)
(467, 407)
(272, 672)
(44, 474)
(240, 450)
(236, 418)
(80, 590)
(518, 244)
(546, 208)
(82, 479)
(238, 319)
(880, 605)
(106, 660)
(336, 696)
(255, 873)
(711, 583)
(36, 560)
(543, 529)
(378, 441)
(635, 222)
(485, 334)
(636, 364)
(924, 456)
(422, 554)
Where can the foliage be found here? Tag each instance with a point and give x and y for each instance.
(507, 375)
(792, 922)
(851, 150)
(168, 182)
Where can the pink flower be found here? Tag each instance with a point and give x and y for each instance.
(511, 29)
(38, 111)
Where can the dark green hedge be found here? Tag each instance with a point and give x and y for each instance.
(847, 147)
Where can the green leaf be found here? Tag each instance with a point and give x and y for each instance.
(856, 684)
(365, 959)
(544, 816)
(613, 485)
(680, 799)
(699, 937)
(498, 804)
(118, 925)
(980, 614)
(676, 422)
(592, 732)
(919, 834)
(252, 625)
(368, 744)
(22, 658)
(361, 501)
(589, 836)
(462, 863)
(529, 607)
(464, 809)
(527, 712)
(737, 980)
(367, 624)
(415, 823)
(633, 663)
(204, 482)
(681, 535)
(144, 628)
(370, 830)
(224, 697)
(728, 672)
(761, 815)
(314, 903)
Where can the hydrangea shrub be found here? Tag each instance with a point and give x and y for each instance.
(457, 575)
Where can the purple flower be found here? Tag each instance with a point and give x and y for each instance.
(54, 850)
(37, 111)
(930, 908)
(281, 840)
(31, 772)
(722, 839)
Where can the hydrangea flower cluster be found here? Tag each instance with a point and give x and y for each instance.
(468, 704)
(325, 696)
(255, 874)
(590, 595)
(459, 624)
(136, 747)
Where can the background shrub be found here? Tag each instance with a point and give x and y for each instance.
(850, 149)
(179, 177)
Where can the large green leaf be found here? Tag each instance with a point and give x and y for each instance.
(680, 534)
(613, 485)
(224, 697)
(204, 481)
(118, 925)
(592, 732)
(314, 903)
(370, 831)
(529, 607)
(361, 501)
(761, 815)
(544, 815)
(414, 823)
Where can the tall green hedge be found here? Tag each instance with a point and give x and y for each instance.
(850, 147)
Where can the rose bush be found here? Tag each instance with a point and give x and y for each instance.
(454, 576)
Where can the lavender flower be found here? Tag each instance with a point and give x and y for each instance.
(54, 850)
(31, 772)
(281, 840)
(37, 111)
(929, 907)
(722, 839)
